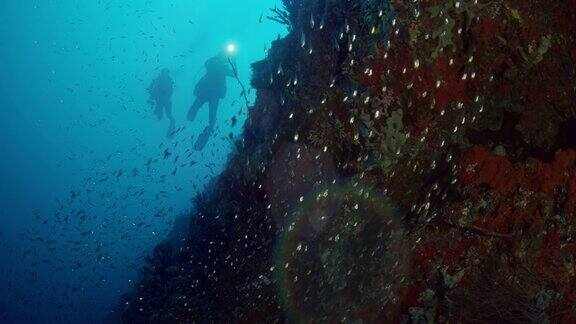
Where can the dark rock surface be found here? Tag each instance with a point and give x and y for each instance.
(412, 161)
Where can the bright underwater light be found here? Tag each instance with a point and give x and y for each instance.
(231, 48)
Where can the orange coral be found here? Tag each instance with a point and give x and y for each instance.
(481, 167)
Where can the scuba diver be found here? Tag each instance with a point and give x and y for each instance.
(210, 89)
(161, 98)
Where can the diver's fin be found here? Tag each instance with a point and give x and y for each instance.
(171, 129)
(202, 139)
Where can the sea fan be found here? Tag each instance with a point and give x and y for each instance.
(287, 14)
(496, 293)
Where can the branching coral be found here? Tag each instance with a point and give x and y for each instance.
(327, 133)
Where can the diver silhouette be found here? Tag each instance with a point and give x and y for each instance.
(161, 98)
(210, 89)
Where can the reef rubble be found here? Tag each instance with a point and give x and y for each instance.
(404, 161)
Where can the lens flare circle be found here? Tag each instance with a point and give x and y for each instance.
(343, 255)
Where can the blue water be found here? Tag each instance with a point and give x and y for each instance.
(85, 189)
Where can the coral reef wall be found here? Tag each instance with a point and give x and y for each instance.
(405, 161)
